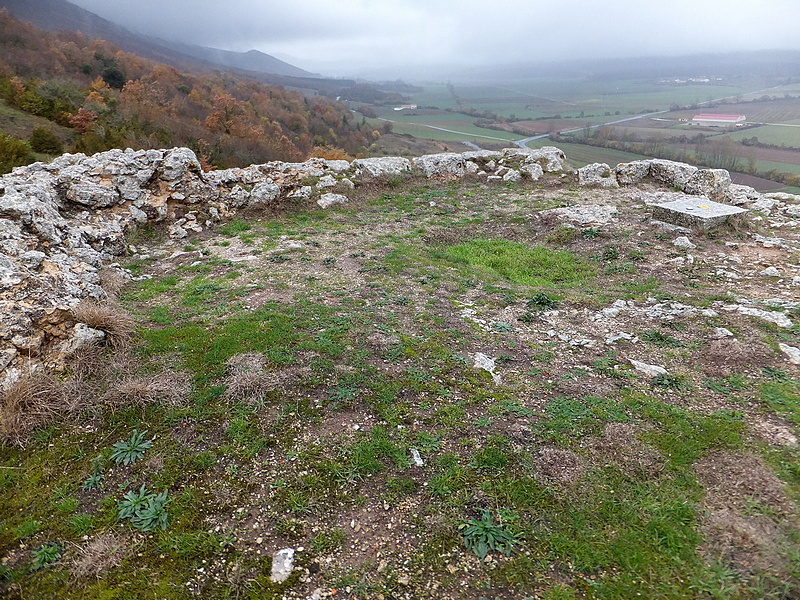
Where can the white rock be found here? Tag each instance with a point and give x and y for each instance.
(614, 338)
(780, 319)
(304, 193)
(487, 364)
(671, 173)
(264, 193)
(532, 170)
(792, 352)
(589, 214)
(632, 172)
(82, 336)
(416, 458)
(327, 181)
(597, 175)
(443, 165)
(649, 370)
(721, 332)
(770, 272)
(708, 182)
(329, 200)
(282, 565)
(177, 162)
(683, 242)
(381, 167)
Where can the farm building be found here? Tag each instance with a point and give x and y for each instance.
(711, 120)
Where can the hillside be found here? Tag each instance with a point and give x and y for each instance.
(113, 99)
(479, 375)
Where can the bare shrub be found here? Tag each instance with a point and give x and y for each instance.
(91, 381)
(169, 387)
(247, 380)
(558, 466)
(108, 317)
(112, 281)
(33, 401)
(98, 556)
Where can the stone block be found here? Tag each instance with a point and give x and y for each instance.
(695, 212)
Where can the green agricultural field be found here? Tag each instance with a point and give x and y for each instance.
(779, 135)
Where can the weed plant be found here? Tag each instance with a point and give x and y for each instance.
(129, 451)
(482, 536)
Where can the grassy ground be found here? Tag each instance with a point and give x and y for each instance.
(288, 388)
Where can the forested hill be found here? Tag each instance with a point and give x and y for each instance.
(91, 96)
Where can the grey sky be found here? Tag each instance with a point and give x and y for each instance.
(347, 37)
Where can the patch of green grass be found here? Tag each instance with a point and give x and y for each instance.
(148, 289)
(160, 315)
(328, 541)
(515, 262)
(200, 290)
(81, 524)
(726, 385)
(582, 415)
(373, 454)
(659, 338)
(276, 330)
(67, 506)
(28, 528)
(783, 397)
(235, 227)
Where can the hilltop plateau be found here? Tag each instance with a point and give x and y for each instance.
(477, 375)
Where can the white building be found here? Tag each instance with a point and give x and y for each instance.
(712, 120)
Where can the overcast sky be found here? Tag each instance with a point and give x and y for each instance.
(351, 37)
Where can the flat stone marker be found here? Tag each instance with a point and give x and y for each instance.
(695, 211)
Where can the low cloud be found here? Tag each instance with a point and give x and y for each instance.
(349, 36)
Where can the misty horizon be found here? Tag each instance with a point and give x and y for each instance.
(406, 39)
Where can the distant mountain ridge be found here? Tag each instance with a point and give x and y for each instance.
(55, 15)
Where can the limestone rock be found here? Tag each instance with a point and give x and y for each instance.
(326, 181)
(282, 565)
(447, 165)
(597, 175)
(532, 170)
(648, 370)
(82, 336)
(178, 162)
(482, 361)
(708, 182)
(328, 200)
(584, 214)
(779, 318)
(683, 242)
(93, 195)
(792, 352)
(632, 172)
(550, 158)
(264, 193)
(381, 168)
(671, 173)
